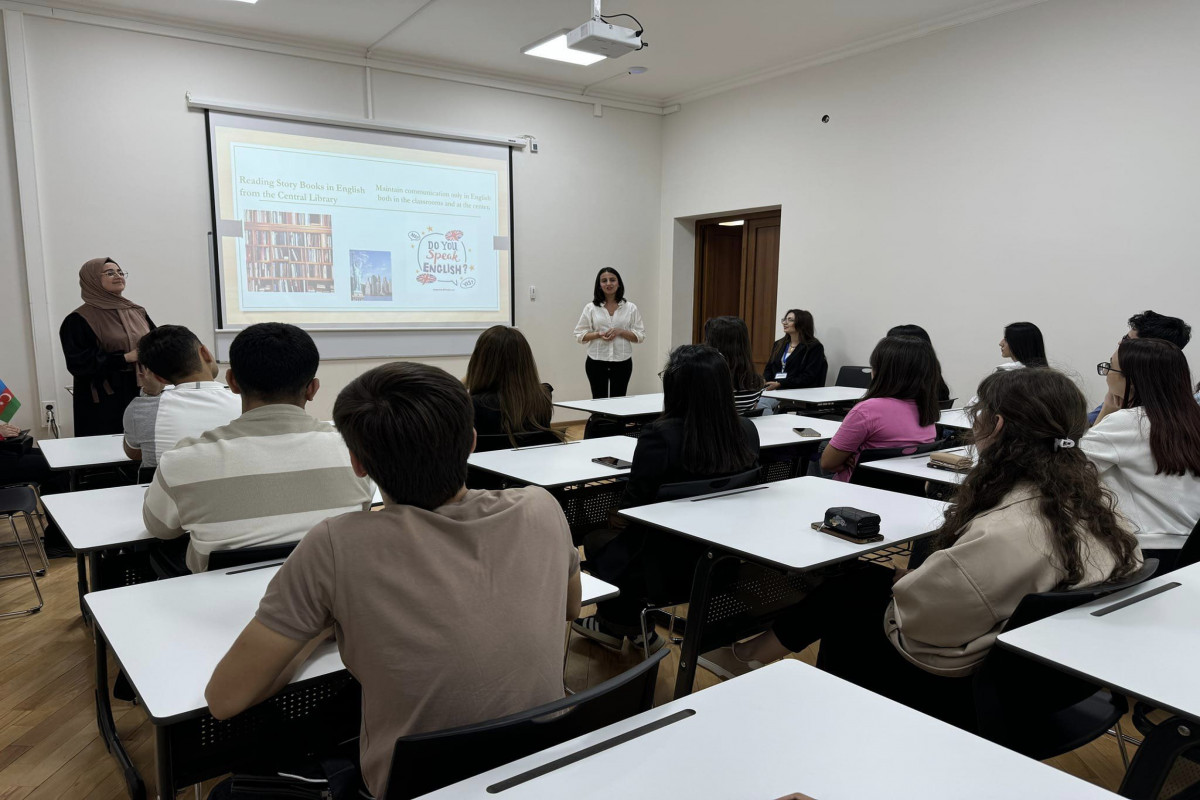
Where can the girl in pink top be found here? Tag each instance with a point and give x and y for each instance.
(899, 408)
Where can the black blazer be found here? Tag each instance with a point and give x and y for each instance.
(658, 456)
(806, 366)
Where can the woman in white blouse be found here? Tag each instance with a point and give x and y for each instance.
(609, 326)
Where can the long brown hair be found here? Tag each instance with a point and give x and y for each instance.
(1159, 382)
(697, 390)
(906, 368)
(1041, 409)
(730, 337)
(502, 364)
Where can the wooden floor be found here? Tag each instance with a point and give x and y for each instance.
(50, 746)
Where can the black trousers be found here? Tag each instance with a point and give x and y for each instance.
(608, 378)
(648, 566)
(846, 615)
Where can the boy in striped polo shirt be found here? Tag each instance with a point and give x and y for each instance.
(268, 476)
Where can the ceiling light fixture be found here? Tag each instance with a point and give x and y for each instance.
(252, 2)
(733, 223)
(555, 47)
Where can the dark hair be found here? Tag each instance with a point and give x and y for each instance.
(171, 352)
(502, 364)
(411, 426)
(1150, 325)
(906, 368)
(697, 389)
(730, 337)
(1040, 405)
(804, 326)
(273, 361)
(1159, 382)
(943, 391)
(598, 293)
(1025, 343)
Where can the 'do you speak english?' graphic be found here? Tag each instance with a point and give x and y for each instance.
(443, 260)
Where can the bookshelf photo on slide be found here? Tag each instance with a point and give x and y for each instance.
(289, 251)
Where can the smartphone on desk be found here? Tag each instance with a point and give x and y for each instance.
(868, 539)
(612, 461)
(808, 433)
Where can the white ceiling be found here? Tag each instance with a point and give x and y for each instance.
(696, 46)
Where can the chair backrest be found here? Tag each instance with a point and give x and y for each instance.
(678, 491)
(224, 559)
(425, 762)
(500, 441)
(855, 377)
(1190, 553)
(1009, 687)
(892, 482)
(946, 405)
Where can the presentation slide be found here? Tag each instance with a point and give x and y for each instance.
(332, 227)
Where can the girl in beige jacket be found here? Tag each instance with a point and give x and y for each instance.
(1031, 517)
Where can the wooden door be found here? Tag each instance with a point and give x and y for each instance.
(737, 273)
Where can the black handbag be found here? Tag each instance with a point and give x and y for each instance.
(852, 521)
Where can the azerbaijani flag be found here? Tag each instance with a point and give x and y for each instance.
(8, 403)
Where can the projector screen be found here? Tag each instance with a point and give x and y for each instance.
(335, 228)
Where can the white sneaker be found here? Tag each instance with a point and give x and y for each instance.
(725, 665)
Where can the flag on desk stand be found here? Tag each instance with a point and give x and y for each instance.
(8, 403)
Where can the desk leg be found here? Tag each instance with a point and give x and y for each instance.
(81, 569)
(164, 767)
(108, 728)
(697, 614)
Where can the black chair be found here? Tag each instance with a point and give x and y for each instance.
(855, 377)
(886, 480)
(22, 500)
(224, 559)
(1167, 764)
(499, 441)
(425, 762)
(946, 405)
(1036, 709)
(1190, 552)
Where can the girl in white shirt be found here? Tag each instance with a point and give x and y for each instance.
(1146, 443)
(609, 326)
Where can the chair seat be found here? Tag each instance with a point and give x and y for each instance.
(1068, 729)
(18, 499)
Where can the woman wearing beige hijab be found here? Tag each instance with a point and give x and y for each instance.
(99, 340)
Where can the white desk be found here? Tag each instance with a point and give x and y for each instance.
(918, 467)
(778, 430)
(634, 405)
(819, 396)
(1148, 649)
(83, 451)
(99, 519)
(786, 728)
(595, 590)
(955, 418)
(769, 523)
(558, 464)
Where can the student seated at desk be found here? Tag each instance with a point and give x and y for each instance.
(730, 337)
(1151, 325)
(269, 475)
(1023, 344)
(900, 407)
(699, 435)
(448, 603)
(506, 393)
(1146, 444)
(1030, 517)
(943, 391)
(192, 402)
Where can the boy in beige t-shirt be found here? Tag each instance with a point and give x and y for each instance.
(448, 604)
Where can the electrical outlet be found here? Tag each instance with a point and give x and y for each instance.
(49, 407)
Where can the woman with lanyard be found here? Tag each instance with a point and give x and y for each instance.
(609, 326)
(99, 340)
(798, 359)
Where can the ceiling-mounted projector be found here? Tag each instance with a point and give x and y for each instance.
(603, 38)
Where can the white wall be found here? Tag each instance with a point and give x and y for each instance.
(1040, 165)
(122, 172)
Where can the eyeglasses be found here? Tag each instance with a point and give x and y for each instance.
(1105, 367)
(113, 273)
(786, 320)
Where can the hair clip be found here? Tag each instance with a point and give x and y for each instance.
(1063, 444)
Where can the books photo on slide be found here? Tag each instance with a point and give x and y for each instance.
(288, 251)
(370, 275)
